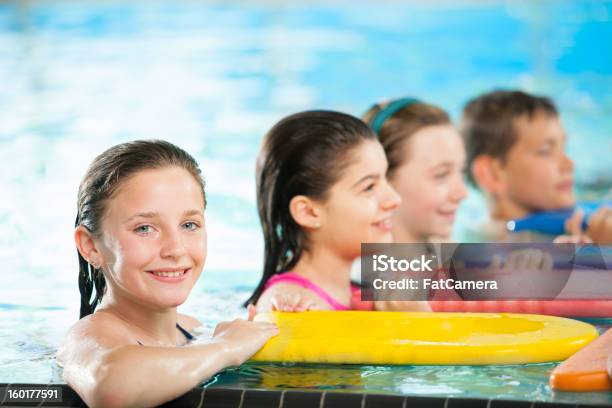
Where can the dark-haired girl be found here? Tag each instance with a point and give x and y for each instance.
(321, 192)
(141, 241)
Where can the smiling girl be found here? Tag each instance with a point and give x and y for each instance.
(141, 240)
(426, 162)
(321, 192)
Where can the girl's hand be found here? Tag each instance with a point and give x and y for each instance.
(402, 306)
(523, 260)
(292, 303)
(243, 338)
(526, 273)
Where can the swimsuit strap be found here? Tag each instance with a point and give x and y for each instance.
(185, 333)
(294, 278)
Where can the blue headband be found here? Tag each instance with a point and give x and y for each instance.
(390, 110)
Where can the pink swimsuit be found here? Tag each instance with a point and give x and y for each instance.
(295, 279)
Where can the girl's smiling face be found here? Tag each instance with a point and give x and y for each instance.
(153, 239)
(430, 182)
(359, 205)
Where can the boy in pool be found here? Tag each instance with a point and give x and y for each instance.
(141, 240)
(516, 156)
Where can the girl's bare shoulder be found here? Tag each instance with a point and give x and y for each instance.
(97, 331)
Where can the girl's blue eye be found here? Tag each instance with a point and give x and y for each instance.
(191, 226)
(143, 229)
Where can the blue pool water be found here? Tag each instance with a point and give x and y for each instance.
(78, 77)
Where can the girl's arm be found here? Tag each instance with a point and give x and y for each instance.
(107, 372)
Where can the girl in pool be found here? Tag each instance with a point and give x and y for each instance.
(321, 192)
(141, 240)
(426, 162)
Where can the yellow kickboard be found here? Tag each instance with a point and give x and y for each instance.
(355, 337)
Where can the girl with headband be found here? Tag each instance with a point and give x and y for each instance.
(427, 162)
(426, 165)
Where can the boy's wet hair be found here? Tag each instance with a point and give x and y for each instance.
(397, 129)
(303, 154)
(488, 125)
(102, 179)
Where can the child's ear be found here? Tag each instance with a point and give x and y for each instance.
(305, 212)
(87, 246)
(489, 175)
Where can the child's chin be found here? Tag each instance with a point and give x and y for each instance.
(562, 201)
(443, 231)
(174, 304)
(569, 201)
(174, 301)
(384, 238)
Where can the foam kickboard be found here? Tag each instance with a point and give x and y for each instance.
(587, 369)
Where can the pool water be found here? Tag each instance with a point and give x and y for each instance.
(78, 77)
(527, 382)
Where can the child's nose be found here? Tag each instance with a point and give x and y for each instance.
(172, 246)
(392, 199)
(459, 191)
(567, 164)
